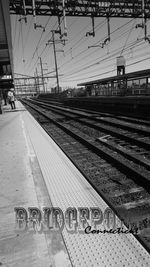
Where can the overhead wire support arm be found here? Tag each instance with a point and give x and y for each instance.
(142, 25)
(107, 40)
(25, 12)
(24, 17)
(55, 58)
(108, 24)
(60, 50)
(59, 27)
(64, 18)
(38, 87)
(63, 41)
(34, 16)
(90, 46)
(93, 29)
(42, 74)
(144, 22)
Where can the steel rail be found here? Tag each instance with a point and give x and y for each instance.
(114, 132)
(133, 119)
(124, 167)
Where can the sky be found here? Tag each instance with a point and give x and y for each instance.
(78, 61)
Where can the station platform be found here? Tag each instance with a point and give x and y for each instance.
(34, 172)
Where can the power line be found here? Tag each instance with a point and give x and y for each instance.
(95, 63)
(100, 24)
(106, 72)
(131, 64)
(82, 52)
(127, 38)
(39, 41)
(118, 49)
(105, 59)
(44, 47)
(77, 58)
(85, 39)
(119, 28)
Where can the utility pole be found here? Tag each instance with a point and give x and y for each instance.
(55, 60)
(35, 82)
(42, 74)
(38, 87)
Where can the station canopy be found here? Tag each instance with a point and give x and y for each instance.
(131, 75)
(6, 55)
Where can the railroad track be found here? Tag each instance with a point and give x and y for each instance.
(140, 119)
(123, 183)
(131, 124)
(134, 143)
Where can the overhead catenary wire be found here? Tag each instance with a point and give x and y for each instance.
(39, 41)
(127, 38)
(98, 49)
(38, 45)
(83, 37)
(77, 61)
(78, 70)
(97, 75)
(112, 57)
(76, 56)
(100, 24)
(68, 29)
(43, 50)
(91, 54)
(99, 62)
(85, 50)
(106, 72)
(120, 27)
(75, 46)
(71, 49)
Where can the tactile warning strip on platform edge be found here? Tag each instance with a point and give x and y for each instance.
(68, 188)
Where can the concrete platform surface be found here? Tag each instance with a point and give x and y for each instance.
(22, 185)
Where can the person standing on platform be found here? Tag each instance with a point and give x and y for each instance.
(5, 92)
(0, 101)
(11, 98)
